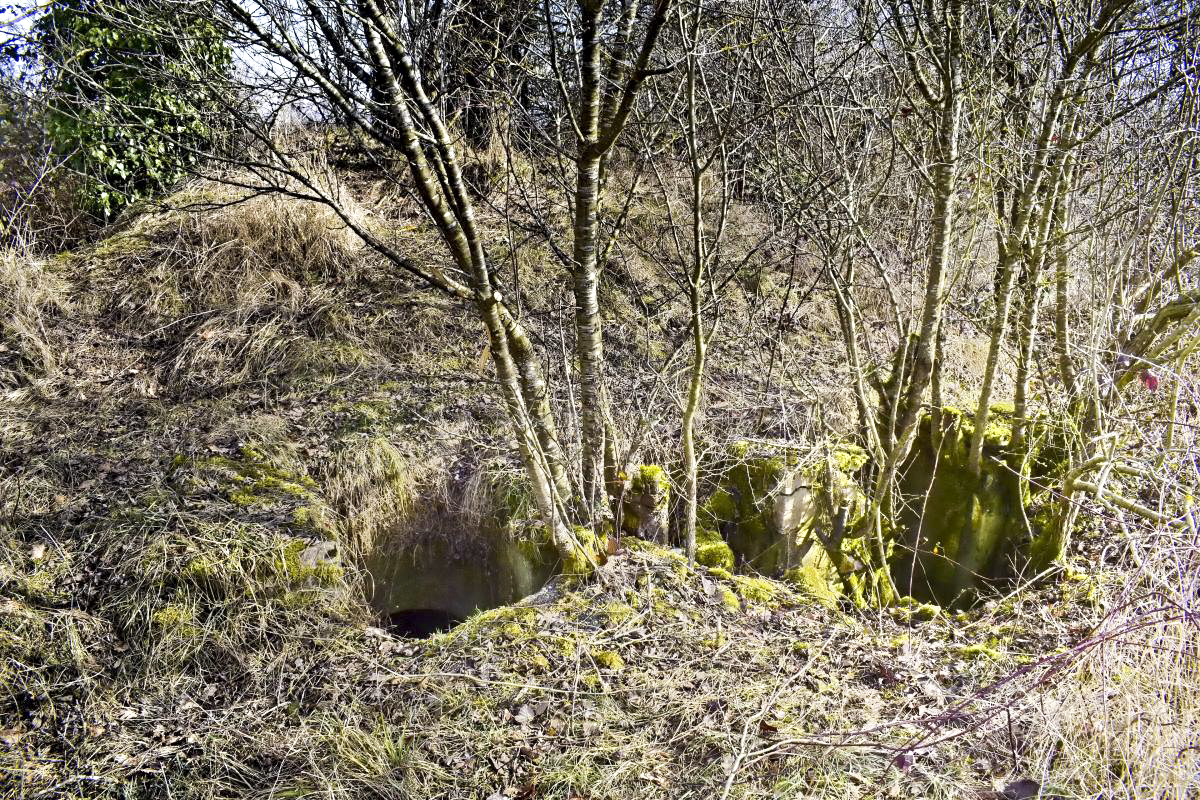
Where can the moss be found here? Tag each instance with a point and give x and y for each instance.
(651, 478)
(712, 550)
(608, 659)
(909, 609)
(926, 612)
(962, 528)
(257, 479)
(175, 618)
(999, 428)
(584, 559)
(263, 489)
(1081, 588)
(299, 600)
(756, 590)
(200, 570)
(765, 525)
(980, 651)
(286, 564)
(46, 582)
(721, 507)
(814, 582)
(617, 612)
(849, 458)
(729, 598)
(303, 517)
(644, 508)
(484, 624)
(44, 586)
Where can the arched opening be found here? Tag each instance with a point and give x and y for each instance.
(418, 592)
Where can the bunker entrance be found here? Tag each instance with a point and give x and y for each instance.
(421, 591)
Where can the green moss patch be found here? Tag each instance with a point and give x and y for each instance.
(956, 530)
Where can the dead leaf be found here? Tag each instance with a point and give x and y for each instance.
(650, 777)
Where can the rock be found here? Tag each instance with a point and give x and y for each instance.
(645, 504)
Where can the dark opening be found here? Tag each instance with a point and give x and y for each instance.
(418, 623)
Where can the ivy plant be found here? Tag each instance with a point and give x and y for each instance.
(131, 94)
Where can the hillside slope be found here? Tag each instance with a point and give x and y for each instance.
(208, 420)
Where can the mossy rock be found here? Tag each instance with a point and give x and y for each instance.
(956, 529)
(712, 550)
(767, 506)
(303, 562)
(645, 503)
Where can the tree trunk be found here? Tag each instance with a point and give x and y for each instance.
(589, 336)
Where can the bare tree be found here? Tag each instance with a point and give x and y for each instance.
(383, 90)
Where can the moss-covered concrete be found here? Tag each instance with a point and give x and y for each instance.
(957, 529)
(496, 555)
(645, 503)
(741, 510)
(777, 517)
(461, 582)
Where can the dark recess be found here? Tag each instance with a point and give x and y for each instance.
(419, 623)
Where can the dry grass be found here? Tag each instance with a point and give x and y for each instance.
(372, 486)
(31, 294)
(160, 634)
(241, 288)
(1124, 721)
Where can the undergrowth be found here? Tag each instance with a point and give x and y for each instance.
(242, 403)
